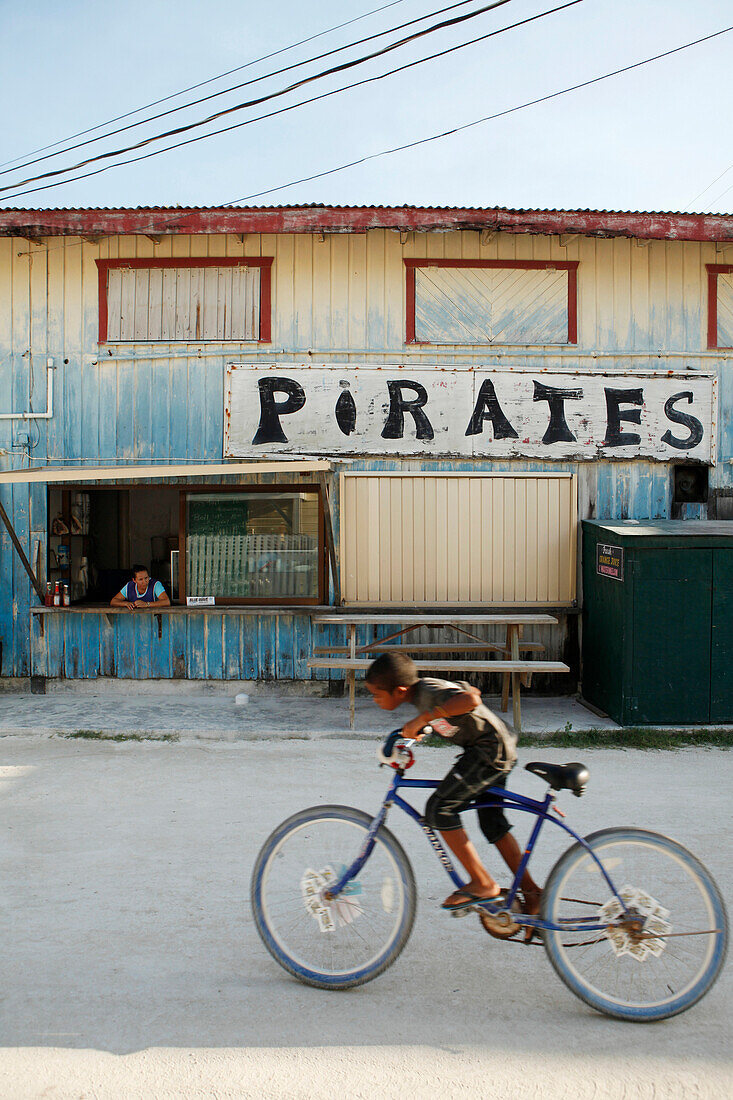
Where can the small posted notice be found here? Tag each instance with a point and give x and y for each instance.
(610, 561)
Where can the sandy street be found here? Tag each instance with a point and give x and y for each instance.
(130, 966)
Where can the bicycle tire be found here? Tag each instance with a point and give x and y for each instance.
(636, 979)
(372, 919)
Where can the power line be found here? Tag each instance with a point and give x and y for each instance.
(722, 193)
(697, 196)
(270, 114)
(298, 84)
(203, 83)
(479, 121)
(234, 88)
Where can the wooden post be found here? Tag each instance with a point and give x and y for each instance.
(516, 706)
(27, 565)
(505, 677)
(351, 676)
(330, 543)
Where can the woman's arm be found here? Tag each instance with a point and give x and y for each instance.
(119, 600)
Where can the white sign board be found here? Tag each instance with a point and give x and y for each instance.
(468, 412)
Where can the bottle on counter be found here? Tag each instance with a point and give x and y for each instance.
(48, 601)
(66, 596)
(57, 594)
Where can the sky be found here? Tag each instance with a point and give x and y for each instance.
(652, 139)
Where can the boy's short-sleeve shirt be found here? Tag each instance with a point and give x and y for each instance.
(479, 728)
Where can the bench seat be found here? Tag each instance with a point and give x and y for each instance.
(356, 663)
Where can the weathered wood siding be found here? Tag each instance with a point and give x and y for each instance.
(640, 306)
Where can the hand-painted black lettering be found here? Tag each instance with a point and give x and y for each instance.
(557, 430)
(270, 429)
(615, 414)
(394, 427)
(346, 412)
(488, 408)
(692, 424)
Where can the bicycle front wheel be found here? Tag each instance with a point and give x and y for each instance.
(665, 954)
(341, 942)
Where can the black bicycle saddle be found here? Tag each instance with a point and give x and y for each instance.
(571, 777)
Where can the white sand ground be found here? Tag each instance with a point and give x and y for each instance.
(178, 708)
(130, 967)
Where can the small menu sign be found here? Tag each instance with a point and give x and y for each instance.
(610, 561)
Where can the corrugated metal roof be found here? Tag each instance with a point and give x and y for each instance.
(369, 206)
(315, 217)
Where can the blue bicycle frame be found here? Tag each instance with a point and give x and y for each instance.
(491, 797)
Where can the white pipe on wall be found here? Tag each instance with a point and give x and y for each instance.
(403, 354)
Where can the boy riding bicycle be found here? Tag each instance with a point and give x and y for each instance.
(456, 713)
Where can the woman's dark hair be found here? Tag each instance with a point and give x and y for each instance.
(139, 569)
(392, 670)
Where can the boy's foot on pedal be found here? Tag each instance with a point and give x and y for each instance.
(469, 895)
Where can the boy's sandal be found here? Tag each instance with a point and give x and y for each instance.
(470, 899)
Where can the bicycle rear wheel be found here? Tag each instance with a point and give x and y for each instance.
(665, 960)
(339, 943)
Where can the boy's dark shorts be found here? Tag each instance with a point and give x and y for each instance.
(471, 774)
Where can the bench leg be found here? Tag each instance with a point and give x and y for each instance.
(505, 692)
(516, 704)
(351, 676)
(505, 678)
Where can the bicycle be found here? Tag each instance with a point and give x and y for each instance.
(632, 922)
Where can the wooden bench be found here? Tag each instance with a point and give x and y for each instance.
(353, 658)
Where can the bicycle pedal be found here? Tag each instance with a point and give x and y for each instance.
(464, 911)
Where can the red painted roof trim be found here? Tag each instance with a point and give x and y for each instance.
(348, 219)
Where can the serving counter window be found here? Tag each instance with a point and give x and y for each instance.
(253, 545)
(259, 544)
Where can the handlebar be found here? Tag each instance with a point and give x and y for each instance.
(397, 751)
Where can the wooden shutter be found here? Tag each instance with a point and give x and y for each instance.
(436, 539)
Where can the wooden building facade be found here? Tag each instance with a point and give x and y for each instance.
(280, 409)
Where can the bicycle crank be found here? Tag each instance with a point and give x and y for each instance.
(501, 926)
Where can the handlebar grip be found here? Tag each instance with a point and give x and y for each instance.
(389, 744)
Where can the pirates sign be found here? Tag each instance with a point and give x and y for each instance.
(468, 412)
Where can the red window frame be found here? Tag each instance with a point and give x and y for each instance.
(571, 266)
(713, 271)
(263, 262)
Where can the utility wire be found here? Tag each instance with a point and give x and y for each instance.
(722, 193)
(203, 83)
(479, 121)
(697, 196)
(270, 114)
(344, 66)
(237, 87)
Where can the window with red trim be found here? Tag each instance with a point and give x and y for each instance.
(720, 305)
(225, 299)
(491, 301)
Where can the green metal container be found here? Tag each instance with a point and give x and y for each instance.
(657, 642)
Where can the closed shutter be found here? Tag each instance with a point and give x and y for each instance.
(185, 304)
(497, 305)
(437, 539)
(725, 311)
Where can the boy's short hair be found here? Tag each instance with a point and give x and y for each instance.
(392, 670)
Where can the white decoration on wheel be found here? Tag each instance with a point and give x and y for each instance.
(646, 909)
(387, 894)
(345, 908)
